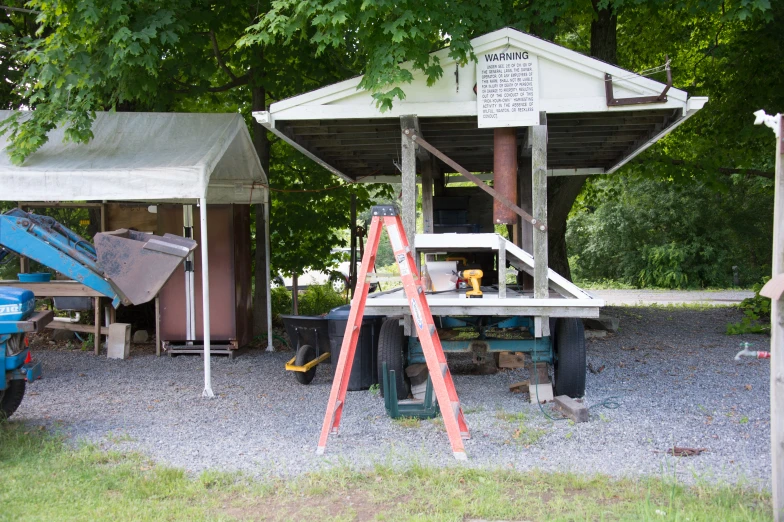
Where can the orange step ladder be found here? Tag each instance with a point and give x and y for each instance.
(443, 385)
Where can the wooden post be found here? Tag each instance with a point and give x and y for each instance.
(98, 319)
(539, 199)
(408, 203)
(157, 326)
(777, 339)
(427, 196)
(408, 168)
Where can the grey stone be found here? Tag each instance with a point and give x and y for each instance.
(140, 336)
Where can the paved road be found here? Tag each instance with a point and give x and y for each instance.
(665, 297)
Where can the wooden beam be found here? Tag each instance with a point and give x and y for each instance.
(55, 288)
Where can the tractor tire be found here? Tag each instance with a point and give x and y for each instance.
(305, 354)
(569, 366)
(391, 343)
(11, 397)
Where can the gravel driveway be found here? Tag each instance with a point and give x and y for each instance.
(673, 371)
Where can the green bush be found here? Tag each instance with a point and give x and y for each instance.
(671, 234)
(281, 302)
(756, 313)
(319, 299)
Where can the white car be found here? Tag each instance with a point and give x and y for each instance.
(338, 277)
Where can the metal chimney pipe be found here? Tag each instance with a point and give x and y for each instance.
(505, 173)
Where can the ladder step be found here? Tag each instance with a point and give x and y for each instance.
(444, 369)
(456, 408)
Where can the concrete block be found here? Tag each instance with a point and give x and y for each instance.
(542, 391)
(575, 410)
(418, 390)
(119, 342)
(604, 322)
(595, 334)
(140, 336)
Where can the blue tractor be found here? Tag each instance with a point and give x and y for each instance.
(127, 266)
(17, 318)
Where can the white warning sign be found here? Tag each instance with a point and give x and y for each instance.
(507, 84)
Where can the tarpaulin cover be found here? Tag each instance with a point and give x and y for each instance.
(143, 157)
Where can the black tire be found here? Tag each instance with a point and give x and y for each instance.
(569, 366)
(12, 397)
(305, 354)
(391, 342)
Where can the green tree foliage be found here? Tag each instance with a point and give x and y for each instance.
(670, 234)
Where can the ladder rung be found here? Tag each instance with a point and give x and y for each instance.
(444, 369)
(456, 408)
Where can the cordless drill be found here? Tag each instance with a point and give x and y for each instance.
(474, 276)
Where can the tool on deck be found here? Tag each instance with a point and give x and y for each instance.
(473, 276)
(443, 385)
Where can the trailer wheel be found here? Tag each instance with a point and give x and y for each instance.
(305, 354)
(569, 365)
(391, 342)
(11, 397)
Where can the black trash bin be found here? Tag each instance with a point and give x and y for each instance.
(363, 372)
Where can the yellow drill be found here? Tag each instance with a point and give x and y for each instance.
(474, 276)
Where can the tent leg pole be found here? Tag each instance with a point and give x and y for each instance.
(270, 348)
(205, 294)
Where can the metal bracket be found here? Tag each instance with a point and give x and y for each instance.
(612, 101)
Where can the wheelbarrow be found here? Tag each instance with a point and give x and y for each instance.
(310, 336)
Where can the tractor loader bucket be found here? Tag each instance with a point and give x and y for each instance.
(139, 264)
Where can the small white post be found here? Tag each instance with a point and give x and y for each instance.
(205, 294)
(267, 204)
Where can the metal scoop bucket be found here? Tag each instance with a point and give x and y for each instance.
(139, 264)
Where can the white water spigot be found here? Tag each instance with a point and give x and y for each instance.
(751, 353)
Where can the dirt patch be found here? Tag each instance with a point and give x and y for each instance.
(356, 504)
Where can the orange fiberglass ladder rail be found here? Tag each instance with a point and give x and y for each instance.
(441, 377)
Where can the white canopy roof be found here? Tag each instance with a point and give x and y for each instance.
(143, 157)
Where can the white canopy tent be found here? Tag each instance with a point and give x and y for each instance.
(149, 157)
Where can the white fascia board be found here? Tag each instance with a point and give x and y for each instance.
(268, 121)
(692, 106)
(343, 112)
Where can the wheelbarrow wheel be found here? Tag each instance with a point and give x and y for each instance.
(391, 342)
(11, 397)
(305, 354)
(570, 365)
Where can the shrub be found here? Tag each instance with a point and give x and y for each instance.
(281, 302)
(319, 299)
(756, 313)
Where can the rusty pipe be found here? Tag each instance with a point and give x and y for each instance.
(505, 173)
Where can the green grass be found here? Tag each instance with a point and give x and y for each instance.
(407, 422)
(43, 479)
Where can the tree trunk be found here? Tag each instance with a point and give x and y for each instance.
(562, 191)
(261, 144)
(294, 294)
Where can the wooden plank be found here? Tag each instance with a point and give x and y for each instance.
(408, 179)
(76, 327)
(777, 339)
(511, 360)
(55, 288)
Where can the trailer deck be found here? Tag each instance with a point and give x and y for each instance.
(565, 298)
